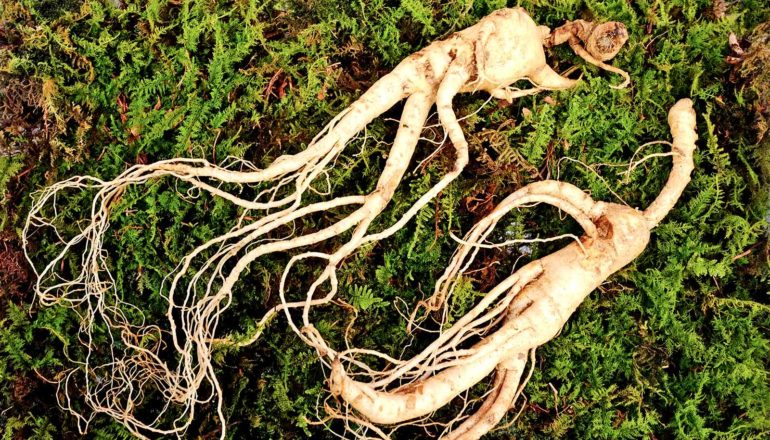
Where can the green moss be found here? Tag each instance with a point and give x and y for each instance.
(674, 346)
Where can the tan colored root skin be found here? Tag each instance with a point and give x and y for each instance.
(540, 309)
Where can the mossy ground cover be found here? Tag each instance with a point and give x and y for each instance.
(677, 345)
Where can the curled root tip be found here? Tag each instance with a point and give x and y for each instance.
(622, 85)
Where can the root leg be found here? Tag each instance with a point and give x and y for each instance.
(547, 78)
(496, 405)
(456, 77)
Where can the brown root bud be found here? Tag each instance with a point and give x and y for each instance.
(602, 41)
(606, 40)
(594, 43)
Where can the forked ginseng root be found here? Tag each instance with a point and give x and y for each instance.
(530, 307)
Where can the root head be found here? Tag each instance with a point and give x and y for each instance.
(594, 43)
(606, 40)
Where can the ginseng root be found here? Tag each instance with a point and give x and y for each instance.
(525, 310)
(501, 49)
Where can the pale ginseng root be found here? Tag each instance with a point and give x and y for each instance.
(521, 313)
(174, 358)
